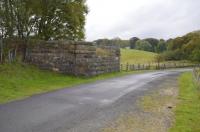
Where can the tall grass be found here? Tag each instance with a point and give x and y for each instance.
(187, 114)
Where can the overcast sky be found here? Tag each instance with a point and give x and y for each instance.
(141, 18)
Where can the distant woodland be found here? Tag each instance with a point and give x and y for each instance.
(186, 47)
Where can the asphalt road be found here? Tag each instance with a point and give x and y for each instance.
(84, 108)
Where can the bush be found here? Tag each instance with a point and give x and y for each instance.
(143, 45)
(195, 55)
(173, 55)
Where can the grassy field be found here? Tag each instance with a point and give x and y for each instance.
(136, 56)
(19, 81)
(187, 112)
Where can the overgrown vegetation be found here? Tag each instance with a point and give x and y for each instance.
(184, 48)
(187, 114)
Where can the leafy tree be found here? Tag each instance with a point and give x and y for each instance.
(153, 42)
(7, 18)
(195, 56)
(61, 19)
(143, 45)
(41, 19)
(133, 42)
(177, 43)
(121, 43)
(44, 19)
(161, 47)
(185, 47)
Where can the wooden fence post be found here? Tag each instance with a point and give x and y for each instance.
(127, 67)
(121, 67)
(138, 66)
(149, 67)
(131, 67)
(174, 65)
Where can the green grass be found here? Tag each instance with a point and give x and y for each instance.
(19, 81)
(136, 56)
(187, 114)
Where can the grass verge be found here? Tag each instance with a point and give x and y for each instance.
(18, 81)
(187, 113)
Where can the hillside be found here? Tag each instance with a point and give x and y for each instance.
(136, 56)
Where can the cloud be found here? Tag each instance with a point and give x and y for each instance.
(141, 18)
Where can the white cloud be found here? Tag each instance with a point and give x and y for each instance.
(141, 18)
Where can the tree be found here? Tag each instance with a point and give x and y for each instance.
(161, 47)
(44, 19)
(121, 43)
(61, 19)
(153, 42)
(195, 56)
(7, 18)
(133, 42)
(185, 47)
(143, 45)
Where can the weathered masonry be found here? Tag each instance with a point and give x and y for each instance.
(76, 58)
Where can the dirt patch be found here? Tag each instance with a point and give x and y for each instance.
(154, 113)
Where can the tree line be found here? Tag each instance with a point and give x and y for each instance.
(41, 19)
(148, 44)
(186, 47)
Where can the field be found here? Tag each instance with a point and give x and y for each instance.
(136, 56)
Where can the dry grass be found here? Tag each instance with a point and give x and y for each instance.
(155, 114)
(157, 102)
(136, 122)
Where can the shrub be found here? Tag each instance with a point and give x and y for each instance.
(143, 45)
(195, 55)
(173, 55)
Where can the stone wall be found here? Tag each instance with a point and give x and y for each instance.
(76, 58)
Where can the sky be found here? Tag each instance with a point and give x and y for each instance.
(141, 18)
